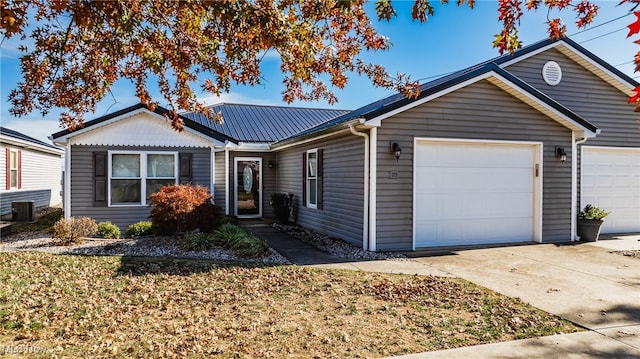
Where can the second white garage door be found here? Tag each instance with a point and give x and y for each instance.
(611, 180)
(474, 192)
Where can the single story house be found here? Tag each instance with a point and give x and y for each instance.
(505, 151)
(32, 171)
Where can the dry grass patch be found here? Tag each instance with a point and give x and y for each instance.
(132, 307)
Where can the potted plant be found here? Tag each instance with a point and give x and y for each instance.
(590, 221)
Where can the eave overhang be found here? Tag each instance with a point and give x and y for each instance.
(505, 81)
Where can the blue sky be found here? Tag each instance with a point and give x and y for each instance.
(453, 39)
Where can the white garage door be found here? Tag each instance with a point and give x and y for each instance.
(474, 193)
(611, 180)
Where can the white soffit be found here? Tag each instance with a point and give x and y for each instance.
(140, 129)
(597, 69)
(580, 58)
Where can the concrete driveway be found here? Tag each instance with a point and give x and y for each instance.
(585, 283)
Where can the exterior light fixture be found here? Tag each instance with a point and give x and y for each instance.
(271, 163)
(561, 153)
(397, 151)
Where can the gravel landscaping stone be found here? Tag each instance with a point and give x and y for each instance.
(165, 247)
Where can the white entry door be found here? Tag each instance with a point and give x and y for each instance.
(610, 179)
(472, 192)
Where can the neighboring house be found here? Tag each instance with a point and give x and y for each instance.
(506, 151)
(32, 171)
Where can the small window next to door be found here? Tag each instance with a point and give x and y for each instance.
(312, 178)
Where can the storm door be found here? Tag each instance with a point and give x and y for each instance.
(248, 187)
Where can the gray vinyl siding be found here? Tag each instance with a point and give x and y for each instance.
(587, 95)
(479, 111)
(220, 181)
(41, 179)
(41, 199)
(343, 186)
(269, 177)
(123, 216)
(3, 167)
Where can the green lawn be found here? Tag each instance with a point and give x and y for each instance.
(62, 305)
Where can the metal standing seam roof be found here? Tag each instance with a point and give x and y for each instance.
(398, 100)
(262, 123)
(278, 124)
(158, 110)
(20, 136)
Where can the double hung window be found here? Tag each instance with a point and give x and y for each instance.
(136, 175)
(312, 179)
(14, 169)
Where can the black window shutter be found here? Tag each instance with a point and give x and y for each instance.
(304, 179)
(320, 179)
(100, 179)
(186, 168)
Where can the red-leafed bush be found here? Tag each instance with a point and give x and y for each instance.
(183, 208)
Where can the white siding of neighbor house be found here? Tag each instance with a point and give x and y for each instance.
(82, 187)
(343, 189)
(41, 179)
(479, 111)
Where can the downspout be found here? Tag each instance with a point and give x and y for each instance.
(574, 184)
(226, 180)
(365, 219)
(373, 168)
(212, 178)
(66, 205)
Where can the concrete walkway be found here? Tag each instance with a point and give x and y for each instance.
(295, 250)
(585, 283)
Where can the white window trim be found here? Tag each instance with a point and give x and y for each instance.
(307, 180)
(13, 152)
(143, 174)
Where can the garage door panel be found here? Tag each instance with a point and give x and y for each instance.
(471, 193)
(445, 207)
(471, 180)
(478, 231)
(610, 179)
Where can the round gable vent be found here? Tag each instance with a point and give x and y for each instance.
(552, 73)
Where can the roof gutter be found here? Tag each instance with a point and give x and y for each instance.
(249, 146)
(315, 136)
(31, 146)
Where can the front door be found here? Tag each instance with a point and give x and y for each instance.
(248, 187)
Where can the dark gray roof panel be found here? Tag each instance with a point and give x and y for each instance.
(20, 136)
(160, 111)
(397, 100)
(259, 123)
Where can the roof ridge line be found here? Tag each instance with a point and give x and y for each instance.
(276, 106)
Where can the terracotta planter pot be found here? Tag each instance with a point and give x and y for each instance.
(589, 229)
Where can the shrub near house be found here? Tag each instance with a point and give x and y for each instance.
(184, 208)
